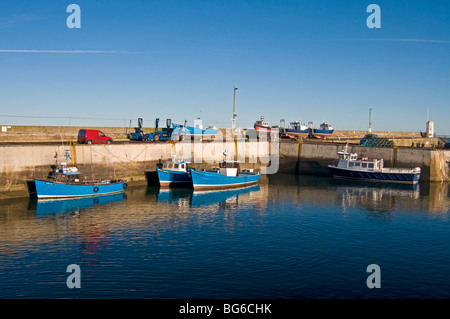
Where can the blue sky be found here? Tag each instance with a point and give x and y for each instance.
(310, 60)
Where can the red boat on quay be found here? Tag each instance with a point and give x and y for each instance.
(262, 125)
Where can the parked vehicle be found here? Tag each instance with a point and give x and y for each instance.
(93, 136)
(447, 144)
(160, 134)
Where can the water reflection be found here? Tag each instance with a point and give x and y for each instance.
(44, 207)
(372, 196)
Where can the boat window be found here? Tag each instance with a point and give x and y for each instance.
(370, 165)
(182, 165)
(357, 164)
(364, 165)
(175, 165)
(351, 164)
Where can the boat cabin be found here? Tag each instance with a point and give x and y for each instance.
(262, 122)
(326, 126)
(229, 168)
(64, 174)
(298, 126)
(176, 166)
(350, 161)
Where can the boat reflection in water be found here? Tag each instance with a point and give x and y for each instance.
(46, 207)
(370, 195)
(187, 197)
(221, 197)
(373, 196)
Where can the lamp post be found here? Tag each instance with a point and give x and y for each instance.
(233, 124)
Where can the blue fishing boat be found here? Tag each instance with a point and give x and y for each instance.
(349, 166)
(297, 129)
(174, 173)
(197, 130)
(324, 131)
(67, 182)
(227, 175)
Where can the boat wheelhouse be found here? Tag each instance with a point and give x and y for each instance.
(262, 125)
(349, 166)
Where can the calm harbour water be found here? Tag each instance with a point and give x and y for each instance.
(288, 237)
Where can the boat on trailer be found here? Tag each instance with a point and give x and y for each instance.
(227, 175)
(349, 166)
(262, 125)
(324, 131)
(297, 129)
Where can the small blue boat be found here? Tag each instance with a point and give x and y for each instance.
(350, 166)
(228, 175)
(297, 129)
(66, 182)
(193, 131)
(174, 173)
(324, 131)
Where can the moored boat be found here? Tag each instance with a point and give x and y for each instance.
(349, 166)
(324, 131)
(174, 173)
(67, 182)
(228, 175)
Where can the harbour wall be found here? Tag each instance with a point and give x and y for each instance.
(21, 163)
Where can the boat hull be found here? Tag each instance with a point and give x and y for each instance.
(379, 176)
(298, 133)
(260, 128)
(51, 189)
(211, 180)
(195, 131)
(173, 178)
(322, 134)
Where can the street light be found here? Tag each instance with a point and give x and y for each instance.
(233, 125)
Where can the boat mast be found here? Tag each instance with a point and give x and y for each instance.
(370, 120)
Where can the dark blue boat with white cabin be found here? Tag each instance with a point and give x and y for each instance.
(297, 129)
(349, 166)
(174, 173)
(67, 182)
(227, 175)
(324, 131)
